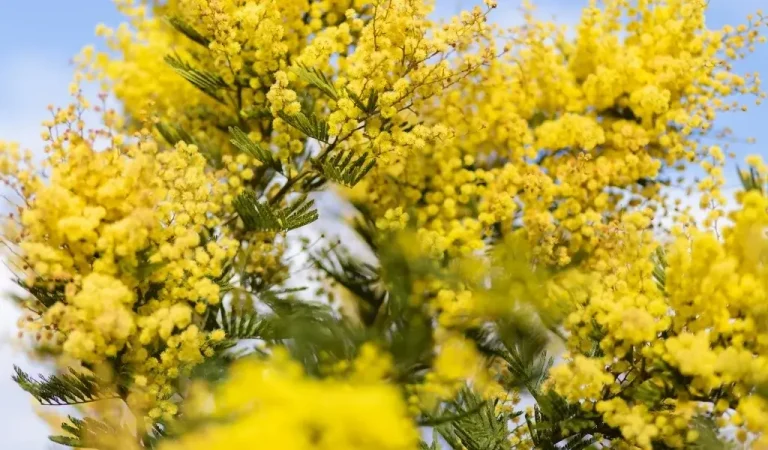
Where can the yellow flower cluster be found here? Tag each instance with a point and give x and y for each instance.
(562, 135)
(277, 406)
(120, 238)
(246, 46)
(456, 363)
(530, 160)
(703, 318)
(582, 379)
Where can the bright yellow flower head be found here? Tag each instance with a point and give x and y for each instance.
(292, 411)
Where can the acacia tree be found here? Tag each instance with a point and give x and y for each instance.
(506, 182)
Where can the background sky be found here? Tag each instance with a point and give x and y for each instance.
(37, 40)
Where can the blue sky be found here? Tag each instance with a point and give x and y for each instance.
(40, 36)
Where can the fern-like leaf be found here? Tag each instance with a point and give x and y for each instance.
(173, 134)
(208, 83)
(187, 30)
(68, 389)
(316, 78)
(476, 425)
(660, 267)
(434, 446)
(299, 213)
(751, 180)
(262, 216)
(344, 169)
(254, 214)
(90, 433)
(310, 125)
(245, 325)
(246, 145)
(360, 278)
(367, 105)
(44, 294)
(521, 343)
(708, 436)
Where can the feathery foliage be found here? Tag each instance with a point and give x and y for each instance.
(361, 279)
(473, 423)
(344, 168)
(246, 145)
(210, 84)
(242, 325)
(367, 105)
(187, 30)
(65, 389)
(90, 433)
(752, 181)
(309, 124)
(316, 78)
(499, 220)
(262, 216)
(660, 267)
(173, 134)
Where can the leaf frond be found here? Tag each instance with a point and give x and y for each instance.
(316, 78)
(44, 294)
(208, 83)
(361, 279)
(660, 267)
(242, 325)
(262, 216)
(90, 433)
(310, 125)
(367, 105)
(345, 169)
(68, 389)
(241, 140)
(474, 424)
(188, 30)
(751, 180)
(173, 134)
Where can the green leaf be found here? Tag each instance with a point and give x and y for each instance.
(261, 216)
(360, 278)
(173, 134)
(310, 125)
(648, 392)
(312, 332)
(256, 112)
(187, 30)
(242, 325)
(476, 426)
(90, 433)
(241, 140)
(660, 267)
(434, 446)
(708, 438)
(521, 342)
(751, 180)
(316, 78)
(537, 119)
(366, 105)
(67, 389)
(344, 169)
(215, 368)
(579, 443)
(43, 293)
(210, 84)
